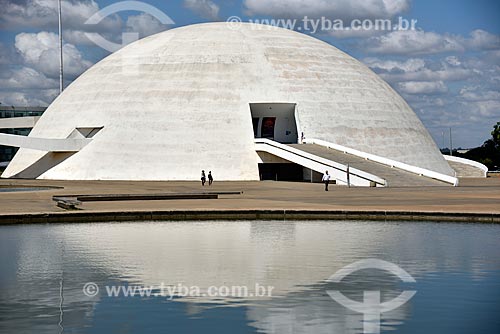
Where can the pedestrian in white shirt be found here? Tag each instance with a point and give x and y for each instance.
(326, 180)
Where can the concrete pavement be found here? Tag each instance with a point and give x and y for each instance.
(473, 197)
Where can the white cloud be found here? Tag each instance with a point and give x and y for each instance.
(409, 65)
(492, 57)
(32, 98)
(482, 40)
(347, 32)
(145, 24)
(426, 86)
(27, 78)
(477, 93)
(453, 61)
(486, 108)
(338, 9)
(6, 56)
(40, 51)
(78, 37)
(43, 14)
(471, 121)
(419, 42)
(423, 87)
(335, 11)
(204, 8)
(33, 78)
(417, 69)
(414, 42)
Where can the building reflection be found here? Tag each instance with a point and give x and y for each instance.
(296, 258)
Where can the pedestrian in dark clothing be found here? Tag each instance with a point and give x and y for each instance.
(203, 178)
(210, 178)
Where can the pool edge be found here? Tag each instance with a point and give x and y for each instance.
(205, 215)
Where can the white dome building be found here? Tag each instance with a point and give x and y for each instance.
(195, 97)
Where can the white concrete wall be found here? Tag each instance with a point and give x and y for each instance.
(177, 102)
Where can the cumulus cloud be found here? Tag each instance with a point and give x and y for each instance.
(79, 37)
(423, 87)
(27, 78)
(487, 109)
(204, 8)
(418, 69)
(492, 56)
(392, 66)
(43, 14)
(482, 40)
(32, 79)
(354, 33)
(425, 84)
(338, 9)
(36, 98)
(471, 121)
(40, 51)
(344, 11)
(6, 55)
(419, 42)
(414, 42)
(477, 93)
(145, 24)
(29, 68)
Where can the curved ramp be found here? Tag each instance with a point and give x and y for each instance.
(393, 176)
(466, 168)
(338, 171)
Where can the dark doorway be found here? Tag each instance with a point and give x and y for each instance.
(281, 172)
(267, 130)
(255, 122)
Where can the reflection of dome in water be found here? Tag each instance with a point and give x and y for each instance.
(180, 101)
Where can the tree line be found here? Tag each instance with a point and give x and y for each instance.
(488, 153)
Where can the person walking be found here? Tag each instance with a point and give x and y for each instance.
(326, 180)
(203, 178)
(210, 178)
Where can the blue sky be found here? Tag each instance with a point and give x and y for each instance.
(448, 70)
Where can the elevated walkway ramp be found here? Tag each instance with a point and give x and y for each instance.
(44, 144)
(19, 122)
(466, 168)
(338, 171)
(394, 177)
(466, 171)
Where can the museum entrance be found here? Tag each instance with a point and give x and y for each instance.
(281, 172)
(275, 121)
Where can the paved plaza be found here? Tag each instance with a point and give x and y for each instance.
(474, 196)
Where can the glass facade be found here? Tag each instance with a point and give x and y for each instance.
(7, 152)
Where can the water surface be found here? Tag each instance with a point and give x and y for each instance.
(45, 267)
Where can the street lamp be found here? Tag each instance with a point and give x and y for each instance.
(61, 84)
(451, 144)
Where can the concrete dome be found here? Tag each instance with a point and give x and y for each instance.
(179, 101)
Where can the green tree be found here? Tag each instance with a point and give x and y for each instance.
(489, 153)
(495, 135)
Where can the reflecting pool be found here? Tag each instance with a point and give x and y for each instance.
(245, 277)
